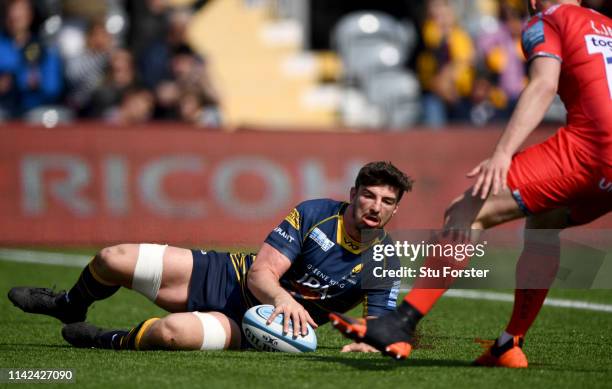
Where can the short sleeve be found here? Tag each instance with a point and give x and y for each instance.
(287, 236)
(541, 38)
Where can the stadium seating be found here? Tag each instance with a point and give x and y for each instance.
(367, 41)
(378, 91)
(396, 93)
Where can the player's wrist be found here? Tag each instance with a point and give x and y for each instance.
(504, 152)
(282, 298)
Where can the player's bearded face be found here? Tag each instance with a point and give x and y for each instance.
(373, 206)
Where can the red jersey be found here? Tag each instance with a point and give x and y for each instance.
(581, 39)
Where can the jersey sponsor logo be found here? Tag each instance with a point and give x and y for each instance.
(315, 285)
(605, 185)
(294, 219)
(533, 36)
(357, 269)
(350, 244)
(284, 234)
(601, 29)
(321, 239)
(597, 44)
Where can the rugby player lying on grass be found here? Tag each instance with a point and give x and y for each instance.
(308, 266)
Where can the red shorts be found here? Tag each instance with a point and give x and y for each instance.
(558, 174)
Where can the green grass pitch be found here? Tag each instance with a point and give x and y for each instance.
(566, 348)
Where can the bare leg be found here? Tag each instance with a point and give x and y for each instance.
(469, 212)
(177, 331)
(159, 272)
(116, 265)
(185, 331)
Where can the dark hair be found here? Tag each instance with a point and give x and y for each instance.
(384, 173)
(183, 49)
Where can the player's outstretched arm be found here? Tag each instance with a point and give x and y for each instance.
(263, 280)
(530, 110)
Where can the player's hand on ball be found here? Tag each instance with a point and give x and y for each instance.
(491, 175)
(294, 311)
(358, 348)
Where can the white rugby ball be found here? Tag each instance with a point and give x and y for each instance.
(270, 337)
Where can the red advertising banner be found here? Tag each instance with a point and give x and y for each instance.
(90, 184)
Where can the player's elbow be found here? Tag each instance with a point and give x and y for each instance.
(259, 278)
(254, 279)
(251, 278)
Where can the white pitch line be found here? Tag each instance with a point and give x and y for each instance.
(553, 302)
(75, 260)
(42, 257)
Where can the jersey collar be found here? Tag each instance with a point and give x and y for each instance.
(350, 244)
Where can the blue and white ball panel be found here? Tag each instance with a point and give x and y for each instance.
(270, 337)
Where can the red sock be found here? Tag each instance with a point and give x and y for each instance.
(527, 304)
(426, 291)
(423, 299)
(535, 272)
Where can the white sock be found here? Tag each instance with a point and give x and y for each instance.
(503, 338)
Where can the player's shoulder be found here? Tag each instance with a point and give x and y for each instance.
(559, 13)
(319, 208)
(311, 212)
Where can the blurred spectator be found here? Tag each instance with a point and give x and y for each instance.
(186, 66)
(445, 66)
(84, 10)
(30, 71)
(190, 70)
(85, 72)
(195, 108)
(136, 107)
(167, 96)
(154, 59)
(187, 72)
(501, 67)
(148, 22)
(75, 23)
(166, 64)
(120, 76)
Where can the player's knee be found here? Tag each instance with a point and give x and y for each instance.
(169, 332)
(542, 230)
(110, 259)
(554, 220)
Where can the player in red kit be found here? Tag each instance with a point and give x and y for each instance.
(563, 182)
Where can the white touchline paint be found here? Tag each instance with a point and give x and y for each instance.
(553, 302)
(43, 257)
(75, 260)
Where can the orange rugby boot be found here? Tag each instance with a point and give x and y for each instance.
(509, 354)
